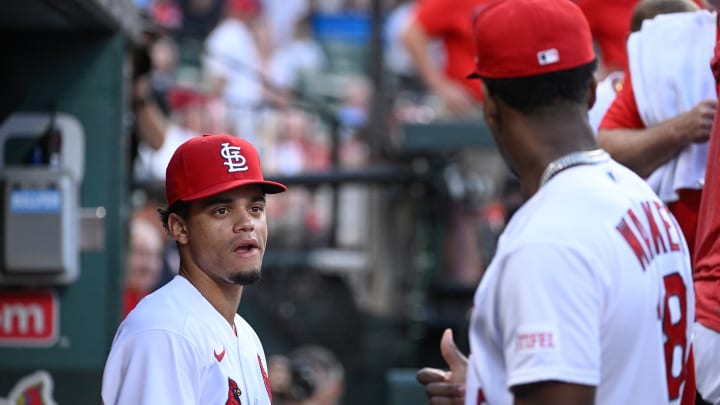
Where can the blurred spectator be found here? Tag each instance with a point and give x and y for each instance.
(161, 136)
(292, 146)
(397, 59)
(310, 375)
(352, 113)
(231, 57)
(236, 54)
(142, 4)
(450, 22)
(288, 149)
(275, 74)
(283, 16)
(163, 73)
(141, 91)
(171, 105)
(199, 18)
(145, 262)
(298, 56)
(495, 215)
(328, 6)
(609, 23)
(167, 14)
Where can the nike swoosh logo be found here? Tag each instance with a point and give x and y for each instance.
(219, 356)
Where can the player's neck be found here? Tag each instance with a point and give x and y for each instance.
(224, 297)
(533, 139)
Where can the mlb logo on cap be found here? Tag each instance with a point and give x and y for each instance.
(518, 38)
(548, 56)
(210, 164)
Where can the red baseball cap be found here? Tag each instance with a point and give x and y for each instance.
(210, 164)
(517, 38)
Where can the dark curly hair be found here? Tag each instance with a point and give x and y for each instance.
(526, 94)
(181, 208)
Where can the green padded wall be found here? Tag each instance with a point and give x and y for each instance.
(82, 74)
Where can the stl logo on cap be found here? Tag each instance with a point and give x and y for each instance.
(233, 159)
(211, 164)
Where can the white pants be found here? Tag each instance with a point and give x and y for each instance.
(706, 349)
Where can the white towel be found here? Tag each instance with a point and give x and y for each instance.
(670, 68)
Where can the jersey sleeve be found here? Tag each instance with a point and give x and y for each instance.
(432, 16)
(151, 367)
(623, 112)
(551, 303)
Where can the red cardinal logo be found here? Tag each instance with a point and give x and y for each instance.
(34, 389)
(233, 393)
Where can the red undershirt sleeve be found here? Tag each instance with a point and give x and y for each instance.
(623, 112)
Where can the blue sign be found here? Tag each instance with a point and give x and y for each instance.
(35, 201)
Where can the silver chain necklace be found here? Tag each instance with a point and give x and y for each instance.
(586, 157)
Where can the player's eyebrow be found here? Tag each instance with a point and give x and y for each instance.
(258, 198)
(224, 199)
(216, 200)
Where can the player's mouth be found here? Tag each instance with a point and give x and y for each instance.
(247, 248)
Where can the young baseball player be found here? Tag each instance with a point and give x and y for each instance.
(590, 288)
(185, 343)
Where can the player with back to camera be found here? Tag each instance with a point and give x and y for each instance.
(574, 307)
(185, 343)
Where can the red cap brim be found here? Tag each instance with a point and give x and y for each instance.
(268, 187)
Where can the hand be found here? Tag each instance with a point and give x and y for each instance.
(457, 99)
(141, 88)
(446, 387)
(695, 125)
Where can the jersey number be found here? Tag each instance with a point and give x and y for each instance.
(675, 329)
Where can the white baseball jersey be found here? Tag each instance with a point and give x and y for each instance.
(576, 293)
(175, 348)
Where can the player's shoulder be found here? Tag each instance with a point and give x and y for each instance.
(581, 204)
(168, 308)
(593, 187)
(247, 335)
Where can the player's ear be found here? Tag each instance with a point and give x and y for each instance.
(592, 92)
(178, 228)
(490, 109)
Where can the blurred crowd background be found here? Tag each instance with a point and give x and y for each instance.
(396, 196)
(375, 249)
